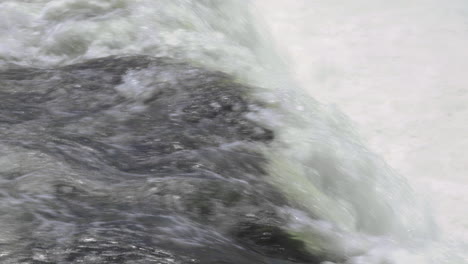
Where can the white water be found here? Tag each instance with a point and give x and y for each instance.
(369, 213)
(398, 69)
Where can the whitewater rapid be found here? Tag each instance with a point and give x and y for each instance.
(343, 201)
(398, 69)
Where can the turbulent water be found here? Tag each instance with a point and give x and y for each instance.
(170, 131)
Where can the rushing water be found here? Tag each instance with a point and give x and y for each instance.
(191, 143)
(397, 68)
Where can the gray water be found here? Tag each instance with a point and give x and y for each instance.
(190, 144)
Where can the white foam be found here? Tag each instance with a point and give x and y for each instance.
(397, 68)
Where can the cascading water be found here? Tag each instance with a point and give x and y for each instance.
(397, 69)
(170, 156)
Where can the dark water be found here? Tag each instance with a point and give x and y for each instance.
(171, 178)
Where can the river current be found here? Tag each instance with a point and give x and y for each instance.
(174, 131)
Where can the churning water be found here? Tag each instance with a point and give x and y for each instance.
(192, 142)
